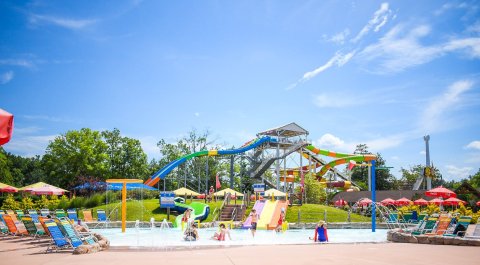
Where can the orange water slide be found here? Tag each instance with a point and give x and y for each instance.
(276, 214)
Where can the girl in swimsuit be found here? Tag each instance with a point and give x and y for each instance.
(280, 221)
(191, 233)
(220, 236)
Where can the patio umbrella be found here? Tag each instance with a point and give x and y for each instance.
(222, 193)
(183, 191)
(440, 192)
(38, 185)
(46, 190)
(403, 201)
(275, 192)
(437, 201)
(364, 202)
(7, 188)
(6, 126)
(420, 202)
(388, 201)
(340, 203)
(453, 201)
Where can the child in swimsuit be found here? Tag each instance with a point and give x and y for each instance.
(220, 236)
(254, 220)
(191, 233)
(280, 221)
(320, 233)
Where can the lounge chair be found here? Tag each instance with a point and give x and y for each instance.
(44, 212)
(414, 219)
(87, 216)
(59, 241)
(33, 229)
(70, 232)
(41, 220)
(3, 226)
(101, 215)
(393, 218)
(33, 213)
(20, 214)
(12, 214)
(72, 214)
(426, 226)
(406, 217)
(15, 227)
(60, 213)
(461, 227)
(476, 231)
(442, 225)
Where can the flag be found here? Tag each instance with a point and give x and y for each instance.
(218, 185)
(351, 164)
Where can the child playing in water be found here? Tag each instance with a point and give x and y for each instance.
(220, 235)
(281, 219)
(320, 233)
(191, 233)
(254, 219)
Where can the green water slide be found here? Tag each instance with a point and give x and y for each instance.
(200, 211)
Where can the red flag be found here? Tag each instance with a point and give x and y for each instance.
(351, 164)
(218, 185)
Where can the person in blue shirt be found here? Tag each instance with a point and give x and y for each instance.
(320, 232)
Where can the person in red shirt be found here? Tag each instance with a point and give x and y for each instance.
(210, 193)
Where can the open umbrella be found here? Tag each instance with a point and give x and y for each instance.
(388, 201)
(46, 190)
(440, 192)
(221, 193)
(275, 193)
(453, 201)
(437, 201)
(6, 126)
(7, 188)
(403, 201)
(478, 203)
(39, 185)
(340, 203)
(420, 202)
(183, 191)
(364, 202)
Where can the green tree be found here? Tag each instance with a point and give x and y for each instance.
(475, 179)
(27, 203)
(76, 153)
(5, 174)
(314, 192)
(126, 158)
(410, 176)
(43, 203)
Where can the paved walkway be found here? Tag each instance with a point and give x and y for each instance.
(24, 251)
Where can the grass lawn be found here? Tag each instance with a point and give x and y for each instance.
(150, 208)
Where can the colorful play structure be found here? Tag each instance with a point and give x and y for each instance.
(274, 147)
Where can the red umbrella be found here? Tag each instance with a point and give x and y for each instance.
(6, 126)
(478, 203)
(453, 201)
(440, 192)
(436, 201)
(364, 202)
(420, 202)
(403, 201)
(46, 190)
(340, 203)
(388, 201)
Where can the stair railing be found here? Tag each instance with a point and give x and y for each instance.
(215, 217)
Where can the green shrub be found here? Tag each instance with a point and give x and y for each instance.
(77, 203)
(27, 203)
(10, 204)
(95, 200)
(63, 203)
(42, 203)
(53, 202)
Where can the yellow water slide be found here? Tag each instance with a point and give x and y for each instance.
(267, 214)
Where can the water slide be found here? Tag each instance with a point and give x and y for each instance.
(200, 211)
(267, 214)
(276, 214)
(258, 207)
(172, 165)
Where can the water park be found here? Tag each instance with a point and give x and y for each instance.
(282, 170)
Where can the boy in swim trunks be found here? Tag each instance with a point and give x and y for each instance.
(254, 220)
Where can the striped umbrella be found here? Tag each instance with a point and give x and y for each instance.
(7, 188)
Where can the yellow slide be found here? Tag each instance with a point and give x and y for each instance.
(267, 214)
(276, 214)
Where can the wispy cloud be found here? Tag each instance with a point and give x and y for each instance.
(6, 77)
(17, 62)
(28, 145)
(69, 23)
(339, 38)
(400, 49)
(338, 60)
(379, 19)
(196, 114)
(457, 173)
(435, 111)
(46, 118)
(332, 142)
(473, 145)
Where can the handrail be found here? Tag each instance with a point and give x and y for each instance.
(221, 208)
(234, 213)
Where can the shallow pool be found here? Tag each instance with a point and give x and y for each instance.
(171, 237)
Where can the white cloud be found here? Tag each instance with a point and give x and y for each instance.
(335, 101)
(28, 145)
(395, 158)
(196, 114)
(473, 145)
(17, 62)
(379, 19)
(149, 146)
(6, 77)
(423, 152)
(330, 141)
(340, 37)
(400, 49)
(387, 142)
(457, 173)
(68, 23)
(435, 110)
(473, 159)
(46, 118)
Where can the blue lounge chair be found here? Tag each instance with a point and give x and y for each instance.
(44, 212)
(101, 215)
(58, 239)
(60, 213)
(72, 214)
(74, 234)
(34, 215)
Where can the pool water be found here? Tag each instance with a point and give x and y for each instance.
(171, 237)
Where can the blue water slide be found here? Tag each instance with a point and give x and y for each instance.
(172, 165)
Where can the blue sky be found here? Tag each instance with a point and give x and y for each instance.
(380, 73)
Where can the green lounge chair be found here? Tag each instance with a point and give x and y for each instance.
(406, 217)
(461, 227)
(19, 214)
(31, 227)
(426, 227)
(60, 213)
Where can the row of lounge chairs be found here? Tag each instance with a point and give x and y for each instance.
(59, 213)
(412, 217)
(59, 230)
(445, 225)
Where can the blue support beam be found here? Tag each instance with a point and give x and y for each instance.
(374, 199)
